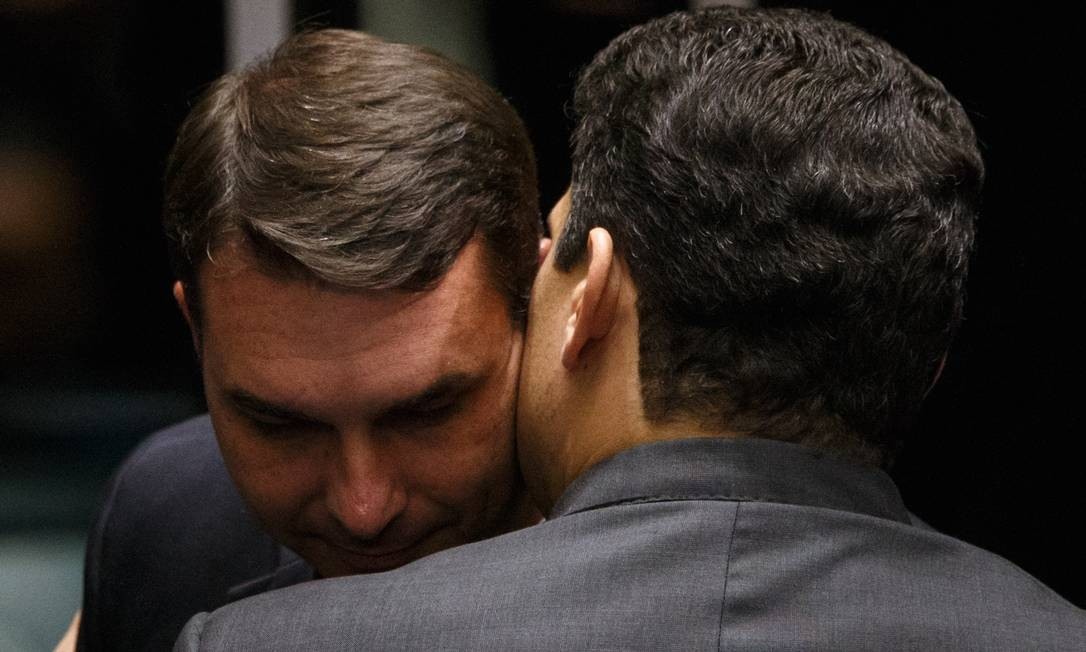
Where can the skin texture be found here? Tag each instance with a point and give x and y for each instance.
(579, 400)
(580, 392)
(365, 429)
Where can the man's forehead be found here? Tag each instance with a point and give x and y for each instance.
(273, 337)
(367, 369)
(235, 253)
(315, 321)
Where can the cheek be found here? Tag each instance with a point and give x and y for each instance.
(475, 460)
(471, 462)
(275, 483)
(493, 417)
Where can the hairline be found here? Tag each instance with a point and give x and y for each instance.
(294, 271)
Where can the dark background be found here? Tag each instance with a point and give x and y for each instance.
(93, 354)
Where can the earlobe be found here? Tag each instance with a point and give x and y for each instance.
(182, 301)
(183, 305)
(572, 341)
(595, 299)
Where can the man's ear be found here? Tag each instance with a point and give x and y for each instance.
(183, 304)
(595, 298)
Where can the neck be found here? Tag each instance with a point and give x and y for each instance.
(602, 443)
(603, 415)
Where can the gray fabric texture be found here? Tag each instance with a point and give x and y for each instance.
(701, 544)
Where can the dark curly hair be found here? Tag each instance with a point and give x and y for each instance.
(796, 202)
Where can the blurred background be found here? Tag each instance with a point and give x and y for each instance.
(93, 355)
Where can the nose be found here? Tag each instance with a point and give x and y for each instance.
(364, 493)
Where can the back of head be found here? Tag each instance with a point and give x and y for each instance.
(357, 162)
(795, 202)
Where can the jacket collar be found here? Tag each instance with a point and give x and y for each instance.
(739, 469)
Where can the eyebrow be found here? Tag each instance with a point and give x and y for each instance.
(255, 404)
(449, 385)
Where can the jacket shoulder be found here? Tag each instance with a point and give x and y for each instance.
(843, 580)
(171, 538)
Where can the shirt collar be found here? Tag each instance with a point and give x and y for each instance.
(742, 469)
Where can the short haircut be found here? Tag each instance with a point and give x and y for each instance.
(795, 202)
(358, 162)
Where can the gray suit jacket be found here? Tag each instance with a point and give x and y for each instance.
(687, 545)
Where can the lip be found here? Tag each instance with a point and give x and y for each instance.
(372, 554)
(334, 556)
(373, 560)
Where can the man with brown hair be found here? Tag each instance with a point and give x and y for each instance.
(354, 228)
(756, 275)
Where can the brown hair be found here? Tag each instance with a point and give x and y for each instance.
(362, 163)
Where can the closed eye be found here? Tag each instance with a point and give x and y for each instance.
(277, 427)
(421, 416)
(269, 418)
(433, 406)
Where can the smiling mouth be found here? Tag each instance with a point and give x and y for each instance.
(370, 561)
(371, 554)
(332, 557)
